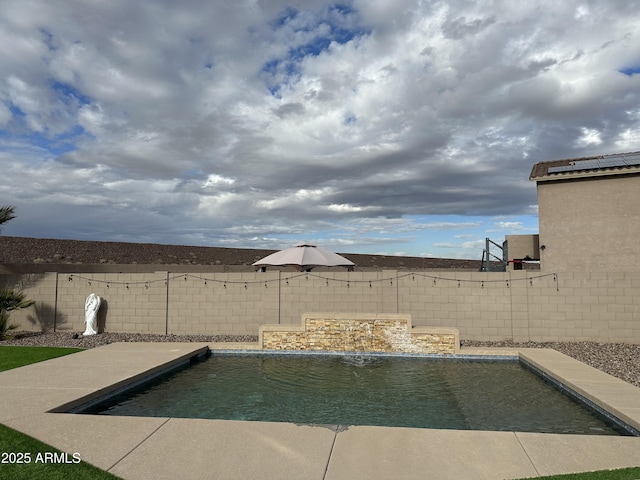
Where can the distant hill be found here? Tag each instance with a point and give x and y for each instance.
(49, 252)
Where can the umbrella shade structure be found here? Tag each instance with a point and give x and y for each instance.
(304, 257)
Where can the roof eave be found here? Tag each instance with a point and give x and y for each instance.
(585, 174)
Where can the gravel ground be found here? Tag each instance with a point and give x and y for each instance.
(77, 340)
(620, 360)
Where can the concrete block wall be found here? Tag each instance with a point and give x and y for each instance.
(130, 302)
(518, 305)
(222, 303)
(484, 306)
(528, 306)
(357, 292)
(40, 287)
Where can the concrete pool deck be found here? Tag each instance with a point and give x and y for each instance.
(175, 448)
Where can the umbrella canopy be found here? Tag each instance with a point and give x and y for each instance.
(304, 257)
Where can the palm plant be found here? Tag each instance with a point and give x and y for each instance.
(10, 300)
(6, 214)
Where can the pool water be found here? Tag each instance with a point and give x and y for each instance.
(350, 390)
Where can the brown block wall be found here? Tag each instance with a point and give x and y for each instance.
(518, 305)
(40, 287)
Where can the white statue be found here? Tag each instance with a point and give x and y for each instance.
(91, 307)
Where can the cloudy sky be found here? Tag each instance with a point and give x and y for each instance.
(365, 126)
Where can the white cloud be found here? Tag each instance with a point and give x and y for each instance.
(214, 180)
(465, 235)
(344, 208)
(590, 136)
(509, 225)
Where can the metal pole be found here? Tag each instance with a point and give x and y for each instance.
(55, 305)
(166, 315)
(397, 294)
(487, 260)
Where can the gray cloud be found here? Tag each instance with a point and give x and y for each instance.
(460, 27)
(251, 122)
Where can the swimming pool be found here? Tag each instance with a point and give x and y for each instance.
(355, 390)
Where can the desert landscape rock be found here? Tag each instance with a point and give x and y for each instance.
(31, 251)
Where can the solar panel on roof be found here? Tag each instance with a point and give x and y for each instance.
(586, 165)
(564, 168)
(632, 160)
(611, 162)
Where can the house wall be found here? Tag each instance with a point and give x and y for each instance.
(517, 305)
(590, 224)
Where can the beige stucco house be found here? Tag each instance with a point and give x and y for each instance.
(589, 213)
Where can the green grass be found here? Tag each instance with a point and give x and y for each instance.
(39, 460)
(13, 357)
(632, 473)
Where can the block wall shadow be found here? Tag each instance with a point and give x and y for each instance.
(44, 317)
(101, 318)
(20, 281)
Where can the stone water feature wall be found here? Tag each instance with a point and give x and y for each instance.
(359, 332)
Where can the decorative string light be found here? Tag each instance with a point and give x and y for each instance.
(414, 276)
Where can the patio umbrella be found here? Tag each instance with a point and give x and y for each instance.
(304, 257)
